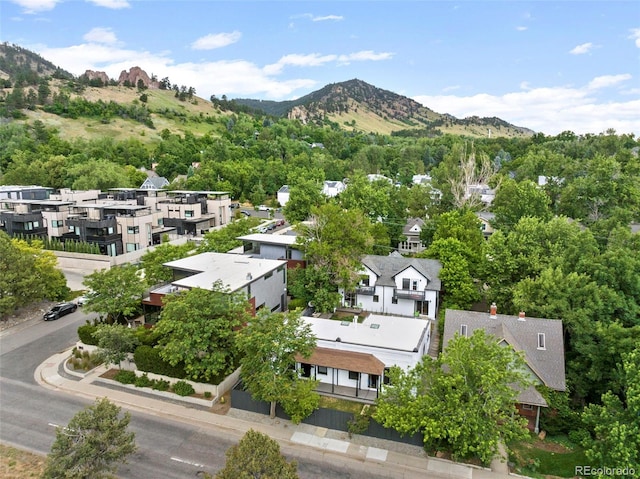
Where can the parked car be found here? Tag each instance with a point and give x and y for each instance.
(81, 300)
(271, 226)
(279, 222)
(263, 229)
(233, 206)
(263, 208)
(245, 213)
(60, 310)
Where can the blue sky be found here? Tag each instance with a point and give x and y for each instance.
(545, 65)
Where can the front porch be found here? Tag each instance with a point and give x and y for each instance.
(366, 396)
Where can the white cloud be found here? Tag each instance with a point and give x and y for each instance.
(607, 81)
(522, 28)
(547, 110)
(216, 40)
(582, 49)
(101, 35)
(335, 18)
(365, 55)
(33, 6)
(112, 4)
(298, 60)
(635, 35)
(231, 78)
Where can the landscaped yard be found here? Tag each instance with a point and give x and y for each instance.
(341, 404)
(550, 457)
(18, 464)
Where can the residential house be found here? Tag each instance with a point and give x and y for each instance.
(540, 340)
(283, 195)
(264, 281)
(486, 220)
(413, 243)
(273, 246)
(352, 358)
(333, 188)
(483, 192)
(154, 183)
(397, 285)
(421, 179)
(194, 212)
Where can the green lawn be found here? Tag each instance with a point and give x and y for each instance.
(549, 457)
(341, 404)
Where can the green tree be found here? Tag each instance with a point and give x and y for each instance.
(257, 456)
(335, 241)
(153, 261)
(198, 328)
(463, 401)
(117, 292)
(92, 444)
(51, 279)
(225, 239)
(115, 341)
(17, 285)
(616, 424)
(304, 195)
(515, 200)
(270, 344)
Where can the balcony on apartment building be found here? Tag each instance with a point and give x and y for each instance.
(416, 295)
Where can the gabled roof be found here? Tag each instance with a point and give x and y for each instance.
(154, 183)
(413, 226)
(522, 335)
(387, 268)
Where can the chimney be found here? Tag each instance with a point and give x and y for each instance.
(249, 277)
(493, 311)
(521, 316)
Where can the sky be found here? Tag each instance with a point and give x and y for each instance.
(551, 66)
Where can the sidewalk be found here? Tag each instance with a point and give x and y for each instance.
(380, 457)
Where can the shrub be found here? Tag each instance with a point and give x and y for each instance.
(125, 377)
(207, 394)
(161, 385)
(359, 423)
(143, 381)
(85, 333)
(77, 353)
(183, 388)
(148, 359)
(297, 303)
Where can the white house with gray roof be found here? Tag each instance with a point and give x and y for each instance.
(351, 358)
(397, 285)
(540, 340)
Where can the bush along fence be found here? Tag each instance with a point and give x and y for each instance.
(323, 417)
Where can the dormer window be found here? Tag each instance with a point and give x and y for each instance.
(541, 341)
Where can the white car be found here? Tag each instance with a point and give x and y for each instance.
(81, 300)
(264, 208)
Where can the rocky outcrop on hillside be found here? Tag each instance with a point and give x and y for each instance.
(134, 75)
(93, 75)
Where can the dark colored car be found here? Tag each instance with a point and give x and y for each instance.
(280, 222)
(60, 310)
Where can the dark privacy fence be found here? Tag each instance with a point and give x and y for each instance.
(329, 418)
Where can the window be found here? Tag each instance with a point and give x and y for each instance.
(541, 342)
(394, 300)
(385, 378)
(57, 223)
(528, 407)
(188, 213)
(72, 228)
(463, 330)
(160, 221)
(305, 370)
(405, 283)
(354, 376)
(28, 226)
(110, 230)
(132, 247)
(376, 298)
(373, 381)
(414, 285)
(268, 275)
(132, 230)
(322, 370)
(364, 280)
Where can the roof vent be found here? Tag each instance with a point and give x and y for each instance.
(338, 339)
(345, 323)
(375, 326)
(249, 277)
(521, 316)
(493, 312)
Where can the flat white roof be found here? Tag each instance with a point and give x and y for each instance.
(285, 240)
(393, 332)
(232, 270)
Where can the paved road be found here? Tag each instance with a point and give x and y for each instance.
(167, 448)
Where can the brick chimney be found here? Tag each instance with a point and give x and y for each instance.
(521, 316)
(493, 312)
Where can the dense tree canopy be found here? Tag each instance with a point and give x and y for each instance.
(463, 401)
